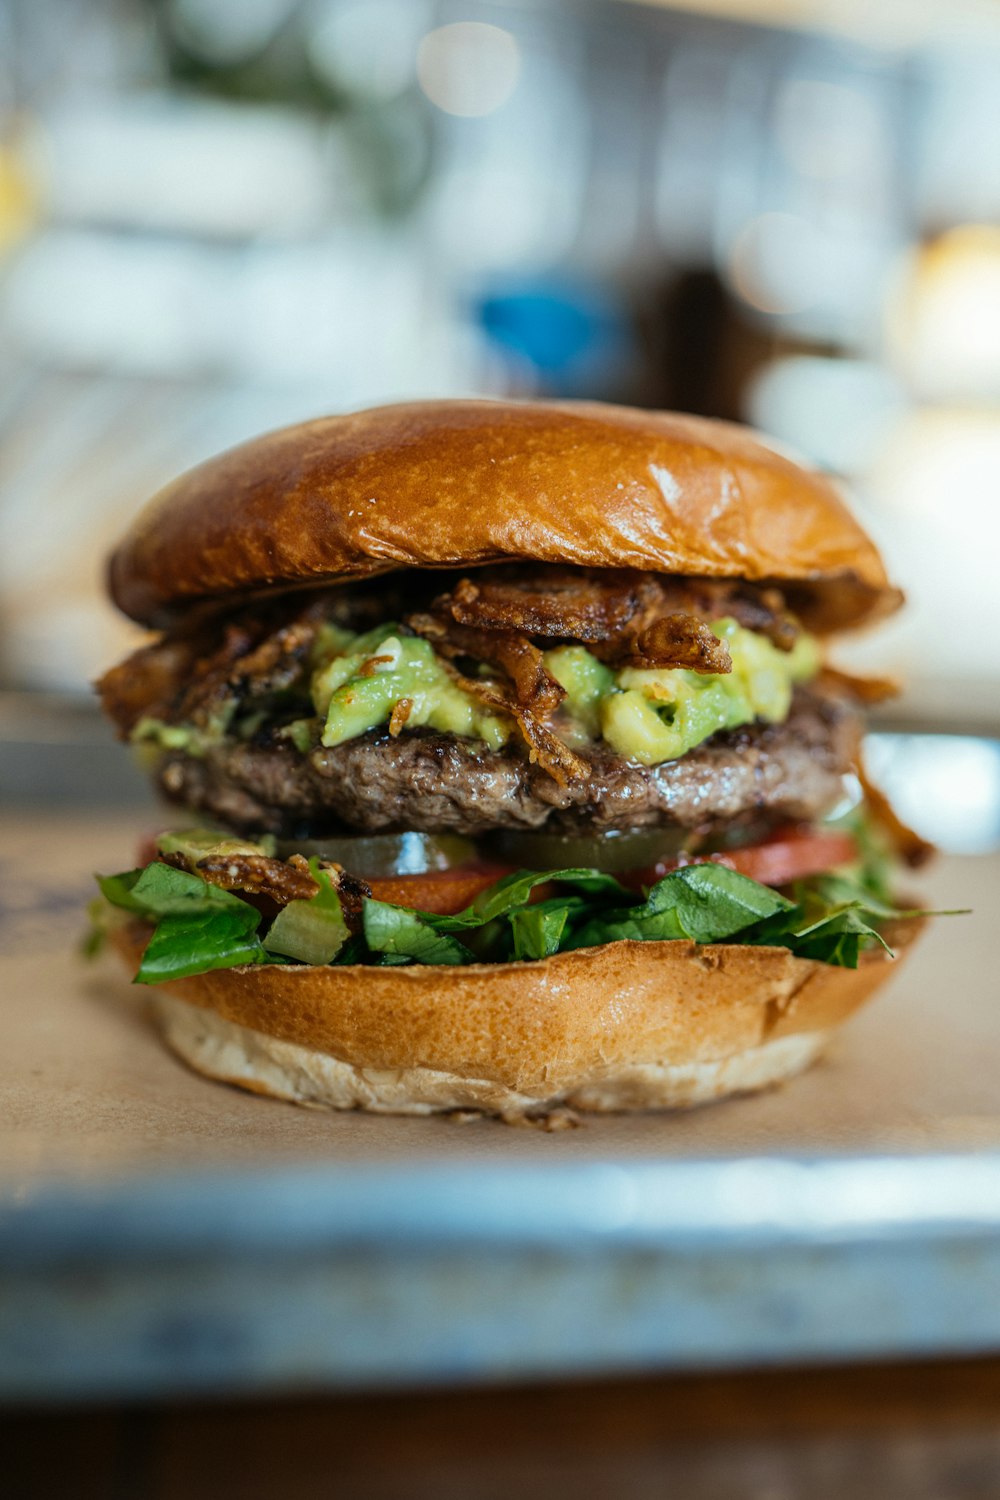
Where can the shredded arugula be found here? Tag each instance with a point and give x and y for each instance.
(197, 926)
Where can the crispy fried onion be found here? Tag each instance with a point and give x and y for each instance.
(399, 716)
(626, 618)
(370, 666)
(679, 640)
(278, 880)
(907, 844)
(862, 689)
(572, 603)
(203, 678)
(281, 880)
(145, 683)
(620, 614)
(533, 694)
(248, 669)
(757, 608)
(760, 609)
(544, 747)
(353, 892)
(513, 654)
(227, 667)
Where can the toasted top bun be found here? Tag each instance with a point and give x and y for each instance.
(446, 484)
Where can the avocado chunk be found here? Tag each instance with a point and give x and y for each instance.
(658, 714)
(194, 844)
(585, 680)
(400, 672)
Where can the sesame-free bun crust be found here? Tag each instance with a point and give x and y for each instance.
(625, 1026)
(446, 484)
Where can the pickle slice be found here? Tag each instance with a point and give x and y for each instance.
(612, 852)
(386, 853)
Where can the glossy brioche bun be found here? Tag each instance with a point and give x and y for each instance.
(625, 1026)
(444, 484)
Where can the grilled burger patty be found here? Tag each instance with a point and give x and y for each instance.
(437, 783)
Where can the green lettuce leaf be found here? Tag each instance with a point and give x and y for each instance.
(514, 891)
(636, 924)
(537, 930)
(837, 938)
(312, 931)
(706, 903)
(713, 902)
(117, 889)
(198, 926)
(402, 934)
(834, 919)
(102, 919)
(825, 893)
(354, 951)
(421, 935)
(159, 891)
(191, 943)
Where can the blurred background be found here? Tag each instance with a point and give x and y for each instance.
(218, 216)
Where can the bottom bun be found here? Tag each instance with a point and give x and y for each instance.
(627, 1026)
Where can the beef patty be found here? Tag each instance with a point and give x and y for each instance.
(437, 783)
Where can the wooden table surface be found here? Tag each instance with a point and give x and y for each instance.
(925, 1431)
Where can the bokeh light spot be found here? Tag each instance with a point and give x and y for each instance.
(468, 68)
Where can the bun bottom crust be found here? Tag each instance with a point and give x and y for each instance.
(283, 1070)
(627, 1026)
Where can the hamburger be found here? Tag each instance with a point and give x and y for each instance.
(514, 774)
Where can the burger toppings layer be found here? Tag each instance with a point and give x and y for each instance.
(522, 697)
(498, 768)
(438, 783)
(211, 902)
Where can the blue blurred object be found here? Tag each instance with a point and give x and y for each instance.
(570, 337)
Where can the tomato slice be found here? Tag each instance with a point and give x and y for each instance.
(788, 854)
(441, 891)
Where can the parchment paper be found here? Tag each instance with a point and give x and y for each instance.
(87, 1090)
